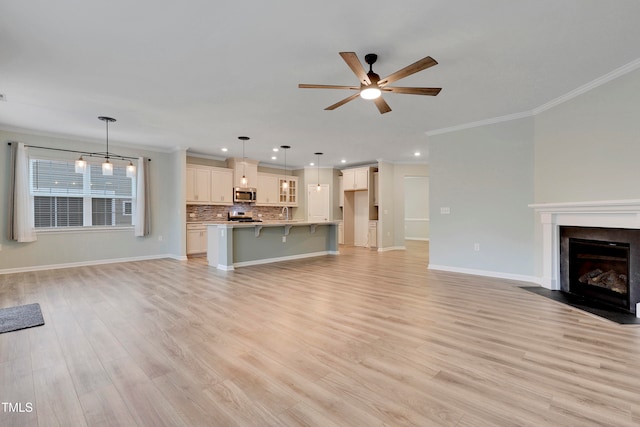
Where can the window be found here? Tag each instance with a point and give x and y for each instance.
(63, 198)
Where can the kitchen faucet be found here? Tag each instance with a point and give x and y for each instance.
(285, 208)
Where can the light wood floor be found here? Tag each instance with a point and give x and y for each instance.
(360, 339)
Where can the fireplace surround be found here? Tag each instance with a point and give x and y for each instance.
(609, 214)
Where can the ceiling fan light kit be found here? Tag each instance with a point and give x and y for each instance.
(371, 86)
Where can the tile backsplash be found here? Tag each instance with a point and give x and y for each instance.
(210, 212)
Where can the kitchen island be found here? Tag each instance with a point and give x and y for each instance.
(232, 245)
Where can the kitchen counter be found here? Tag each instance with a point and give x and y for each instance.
(233, 244)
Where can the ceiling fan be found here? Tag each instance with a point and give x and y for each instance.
(372, 86)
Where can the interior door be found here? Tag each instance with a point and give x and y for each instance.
(318, 203)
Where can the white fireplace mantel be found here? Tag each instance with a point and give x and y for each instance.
(607, 214)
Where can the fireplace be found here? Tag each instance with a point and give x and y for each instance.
(601, 264)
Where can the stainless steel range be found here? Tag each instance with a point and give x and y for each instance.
(242, 216)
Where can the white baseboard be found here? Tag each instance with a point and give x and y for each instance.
(87, 263)
(392, 248)
(486, 273)
(422, 239)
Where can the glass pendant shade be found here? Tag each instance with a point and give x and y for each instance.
(107, 168)
(285, 184)
(81, 165)
(131, 170)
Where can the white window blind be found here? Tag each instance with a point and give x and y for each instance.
(64, 198)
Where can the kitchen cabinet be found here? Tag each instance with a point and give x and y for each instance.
(288, 195)
(268, 193)
(198, 184)
(341, 233)
(221, 186)
(373, 234)
(355, 179)
(376, 192)
(248, 168)
(196, 239)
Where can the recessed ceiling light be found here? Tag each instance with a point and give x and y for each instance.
(417, 154)
(275, 149)
(311, 164)
(343, 161)
(225, 149)
(274, 158)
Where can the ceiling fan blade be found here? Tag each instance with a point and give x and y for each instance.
(420, 65)
(308, 86)
(356, 66)
(344, 101)
(432, 91)
(382, 105)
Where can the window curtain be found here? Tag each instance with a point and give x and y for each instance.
(142, 218)
(21, 219)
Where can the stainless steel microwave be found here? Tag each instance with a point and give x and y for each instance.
(244, 195)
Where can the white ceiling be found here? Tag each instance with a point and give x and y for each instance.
(198, 74)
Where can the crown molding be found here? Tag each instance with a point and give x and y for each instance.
(618, 72)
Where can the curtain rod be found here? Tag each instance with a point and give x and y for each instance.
(84, 153)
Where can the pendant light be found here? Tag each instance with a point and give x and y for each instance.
(131, 170)
(81, 165)
(107, 166)
(244, 181)
(318, 154)
(285, 183)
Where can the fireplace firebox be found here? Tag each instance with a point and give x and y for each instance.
(601, 264)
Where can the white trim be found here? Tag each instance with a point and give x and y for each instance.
(225, 267)
(618, 72)
(486, 273)
(88, 263)
(392, 248)
(423, 239)
(283, 258)
(484, 122)
(416, 219)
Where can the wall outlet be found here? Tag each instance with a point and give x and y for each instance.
(476, 247)
(284, 239)
(192, 215)
(280, 215)
(159, 238)
(259, 215)
(218, 215)
(445, 211)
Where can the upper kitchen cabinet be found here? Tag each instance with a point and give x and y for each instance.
(247, 168)
(267, 190)
(288, 193)
(198, 184)
(221, 186)
(355, 179)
